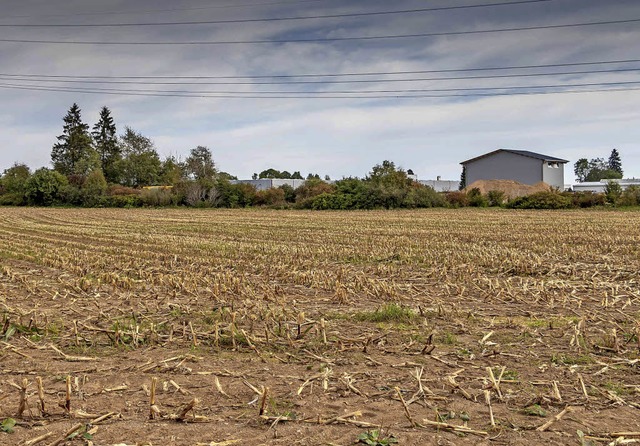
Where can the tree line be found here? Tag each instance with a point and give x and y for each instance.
(597, 169)
(99, 168)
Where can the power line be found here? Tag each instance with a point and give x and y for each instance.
(358, 92)
(271, 19)
(413, 96)
(328, 39)
(315, 82)
(369, 73)
(149, 11)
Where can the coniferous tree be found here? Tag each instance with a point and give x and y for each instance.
(74, 154)
(463, 178)
(106, 144)
(615, 163)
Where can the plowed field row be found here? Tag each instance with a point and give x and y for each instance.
(200, 327)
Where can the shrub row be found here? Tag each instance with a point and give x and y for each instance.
(46, 188)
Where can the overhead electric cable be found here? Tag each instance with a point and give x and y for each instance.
(151, 11)
(414, 96)
(369, 73)
(327, 39)
(314, 82)
(333, 92)
(268, 19)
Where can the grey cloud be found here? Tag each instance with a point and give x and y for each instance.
(339, 137)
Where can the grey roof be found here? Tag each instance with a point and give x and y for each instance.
(520, 152)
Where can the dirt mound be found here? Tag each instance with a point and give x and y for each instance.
(510, 188)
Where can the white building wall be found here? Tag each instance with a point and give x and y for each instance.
(553, 174)
(441, 185)
(267, 183)
(505, 166)
(599, 186)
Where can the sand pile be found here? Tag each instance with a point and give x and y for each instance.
(511, 189)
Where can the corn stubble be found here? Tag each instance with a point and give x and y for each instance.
(453, 321)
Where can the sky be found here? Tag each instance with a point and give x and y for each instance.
(347, 117)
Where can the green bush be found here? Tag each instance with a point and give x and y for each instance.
(541, 200)
(586, 199)
(311, 189)
(84, 190)
(289, 193)
(422, 197)
(630, 197)
(355, 193)
(456, 199)
(381, 196)
(44, 187)
(156, 196)
(13, 199)
(476, 199)
(613, 191)
(14, 179)
(496, 197)
(270, 197)
(72, 195)
(235, 195)
(121, 201)
(335, 201)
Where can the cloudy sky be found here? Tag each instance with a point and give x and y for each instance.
(242, 85)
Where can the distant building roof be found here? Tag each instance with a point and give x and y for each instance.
(520, 152)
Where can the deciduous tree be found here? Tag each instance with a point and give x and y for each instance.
(171, 172)
(140, 164)
(595, 169)
(14, 178)
(43, 188)
(199, 165)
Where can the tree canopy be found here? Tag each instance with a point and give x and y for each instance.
(140, 164)
(74, 154)
(14, 178)
(199, 164)
(272, 173)
(615, 162)
(44, 187)
(598, 169)
(106, 144)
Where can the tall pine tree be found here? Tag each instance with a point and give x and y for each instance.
(74, 154)
(463, 178)
(106, 144)
(615, 163)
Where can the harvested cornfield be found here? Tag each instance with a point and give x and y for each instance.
(220, 327)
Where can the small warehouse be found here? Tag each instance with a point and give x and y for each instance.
(522, 166)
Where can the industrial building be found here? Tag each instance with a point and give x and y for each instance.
(268, 183)
(600, 186)
(522, 166)
(441, 185)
